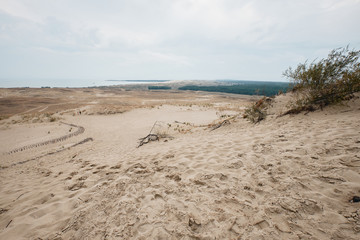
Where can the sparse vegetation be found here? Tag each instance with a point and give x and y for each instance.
(161, 133)
(328, 81)
(257, 112)
(3, 117)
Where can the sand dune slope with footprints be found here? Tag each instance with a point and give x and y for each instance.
(290, 177)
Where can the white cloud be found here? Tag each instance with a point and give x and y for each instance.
(19, 9)
(163, 57)
(333, 5)
(190, 37)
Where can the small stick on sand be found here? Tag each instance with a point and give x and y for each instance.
(19, 196)
(8, 224)
(223, 123)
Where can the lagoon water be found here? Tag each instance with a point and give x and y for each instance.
(71, 83)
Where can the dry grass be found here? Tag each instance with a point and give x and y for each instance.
(257, 111)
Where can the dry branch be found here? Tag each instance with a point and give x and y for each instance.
(152, 136)
(223, 123)
(148, 138)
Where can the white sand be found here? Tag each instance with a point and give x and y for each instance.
(288, 177)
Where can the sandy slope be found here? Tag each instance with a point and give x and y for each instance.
(288, 177)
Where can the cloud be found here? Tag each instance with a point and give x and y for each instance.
(20, 10)
(192, 38)
(162, 57)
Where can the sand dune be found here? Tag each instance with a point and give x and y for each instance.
(288, 177)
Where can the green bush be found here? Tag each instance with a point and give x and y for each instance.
(327, 81)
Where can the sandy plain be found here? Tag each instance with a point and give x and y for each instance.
(71, 167)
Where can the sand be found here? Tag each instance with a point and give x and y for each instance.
(289, 177)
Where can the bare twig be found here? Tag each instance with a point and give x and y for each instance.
(152, 127)
(19, 196)
(8, 224)
(223, 123)
(148, 138)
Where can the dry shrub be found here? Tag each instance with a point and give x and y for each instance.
(329, 81)
(257, 112)
(160, 129)
(2, 117)
(162, 133)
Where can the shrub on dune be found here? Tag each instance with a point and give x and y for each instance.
(327, 81)
(257, 111)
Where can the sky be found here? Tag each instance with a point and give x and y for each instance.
(74, 42)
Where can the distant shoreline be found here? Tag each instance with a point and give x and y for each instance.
(85, 83)
(137, 81)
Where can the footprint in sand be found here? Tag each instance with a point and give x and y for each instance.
(44, 199)
(71, 175)
(118, 166)
(168, 156)
(38, 214)
(137, 169)
(235, 165)
(77, 186)
(85, 164)
(102, 167)
(261, 224)
(82, 178)
(98, 169)
(174, 177)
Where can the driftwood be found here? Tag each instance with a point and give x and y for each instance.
(153, 136)
(223, 123)
(148, 138)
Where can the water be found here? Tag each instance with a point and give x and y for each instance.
(71, 83)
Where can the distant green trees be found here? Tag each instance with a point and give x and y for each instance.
(159, 87)
(243, 87)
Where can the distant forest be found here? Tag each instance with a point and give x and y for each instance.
(243, 87)
(159, 88)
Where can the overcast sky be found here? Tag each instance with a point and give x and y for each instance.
(169, 39)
